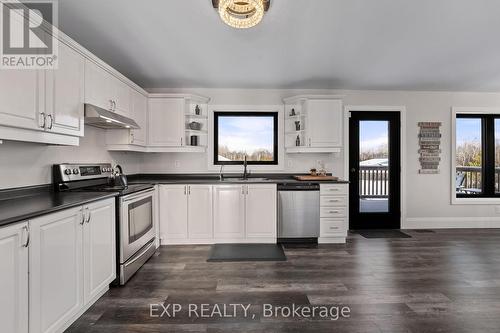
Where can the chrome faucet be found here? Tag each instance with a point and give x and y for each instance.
(245, 171)
(221, 175)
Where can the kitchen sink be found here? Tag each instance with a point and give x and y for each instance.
(249, 180)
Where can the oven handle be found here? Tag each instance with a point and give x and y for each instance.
(136, 196)
(139, 255)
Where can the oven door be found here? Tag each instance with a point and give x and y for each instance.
(136, 222)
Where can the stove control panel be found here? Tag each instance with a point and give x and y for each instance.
(72, 172)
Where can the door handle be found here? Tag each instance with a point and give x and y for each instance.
(90, 215)
(353, 169)
(83, 216)
(42, 114)
(51, 121)
(27, 236)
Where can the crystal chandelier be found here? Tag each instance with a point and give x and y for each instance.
(242, 14)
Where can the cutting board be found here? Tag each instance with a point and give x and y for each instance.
(309, 178)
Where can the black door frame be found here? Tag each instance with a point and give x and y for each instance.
(391, 220)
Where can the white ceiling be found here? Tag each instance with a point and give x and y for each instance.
(349, 44)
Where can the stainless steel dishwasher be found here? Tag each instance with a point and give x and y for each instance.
(298, 211)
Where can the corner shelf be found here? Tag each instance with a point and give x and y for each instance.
(199, 132)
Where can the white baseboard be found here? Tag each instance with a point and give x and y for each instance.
(451, 222)
(209, 241)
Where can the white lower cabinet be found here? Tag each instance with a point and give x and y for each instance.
(333, 213)
(173, 212)
(99, 252)
(207, 214)
(56, 270)
(229, 212)
(261, 211)
(71, 263)
(200, 212)
(14, 278)
(185, 213)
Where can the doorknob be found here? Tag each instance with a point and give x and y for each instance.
(353, 169)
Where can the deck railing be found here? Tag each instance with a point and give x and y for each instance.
(472, 177)
(374, 181)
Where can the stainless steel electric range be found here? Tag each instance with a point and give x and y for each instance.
(134, 211)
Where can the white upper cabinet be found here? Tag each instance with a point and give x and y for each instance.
(99, 249)
(166, 122)
(22, 94)
(56, 270)
(139, 108)
(324, 122)
(14, 278)
(98, 86)
(200, 212)
(65, 93)
(121, 97)
(229, 212)
(173, 212)
(106, 91)
(260, 211)
(313, 124)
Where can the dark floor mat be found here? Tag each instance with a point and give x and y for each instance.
(382, 234)
(246, 252)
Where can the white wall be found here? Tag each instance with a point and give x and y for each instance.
(25, 164)
(428, 198)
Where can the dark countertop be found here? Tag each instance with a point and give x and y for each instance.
(23, 204)
(228, 179)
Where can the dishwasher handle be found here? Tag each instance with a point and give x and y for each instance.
(298, 187)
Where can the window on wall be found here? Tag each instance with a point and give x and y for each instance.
(477, 155)
(250, 134)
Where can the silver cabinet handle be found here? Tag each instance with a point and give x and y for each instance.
(27, 236)
(309, 142)
(83, 216)
(132, 137)
(185, 189)
(331, 200)
(90, 215)
(110, 105)
(333, 228)
(181, 141)
(42, 114)
(333, 211)
(189, 189)
(114, 105)
(243, 189)
(51, 121)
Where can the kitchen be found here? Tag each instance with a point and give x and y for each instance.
(128, 180)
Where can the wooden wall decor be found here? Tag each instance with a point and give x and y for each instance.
(429, 140)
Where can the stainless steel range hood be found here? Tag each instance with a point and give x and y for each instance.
(99, 117)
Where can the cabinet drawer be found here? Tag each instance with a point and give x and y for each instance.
(333, 211)
(333, 189)
(333, 227)
(333, 201)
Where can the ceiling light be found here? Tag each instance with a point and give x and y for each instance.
(241, 14)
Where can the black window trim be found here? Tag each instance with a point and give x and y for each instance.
(245, 114)
(487, 156)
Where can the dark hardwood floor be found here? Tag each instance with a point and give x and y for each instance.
(442, 281)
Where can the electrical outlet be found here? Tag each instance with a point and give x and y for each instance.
(177, 164)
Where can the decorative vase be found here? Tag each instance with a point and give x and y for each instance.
(194, 140)
(297, 125)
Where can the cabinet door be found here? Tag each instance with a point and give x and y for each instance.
(139, 106)
(22, 95)
(261, 211)
(121, 97)
(14, 279)
(229, 211)
(166, 122)
(324, 123)
(99, 247)
(98, 86)
(56, 262)
(200, 212)
(173, 211)
(65, 93)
